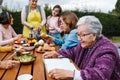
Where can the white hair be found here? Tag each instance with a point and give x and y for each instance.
(95, 25)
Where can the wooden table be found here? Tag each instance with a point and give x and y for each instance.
(36, 69)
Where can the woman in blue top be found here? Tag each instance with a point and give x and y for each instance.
(68, 22)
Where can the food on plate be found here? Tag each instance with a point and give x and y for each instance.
(40, 48)
(25, 52)
(43, 35)
(46, 47)
(52, 49)
(34, 41)
(18, 41)
(31, 42)
(20, 49)
(26, 58)
(29, 47)
(39, 43)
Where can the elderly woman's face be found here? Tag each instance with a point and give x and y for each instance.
(87, 39)
(33, 3)
(64, 27)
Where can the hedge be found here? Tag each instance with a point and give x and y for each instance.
(111, 23)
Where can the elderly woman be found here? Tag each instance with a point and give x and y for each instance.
(95, 55)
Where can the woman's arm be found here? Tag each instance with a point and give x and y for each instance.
(43, 16)
(70, 41)
(56, 27)
(102, 69)
(13, 32)
(23, 19)
(4, 42)
(58, 41)
(6, 49)
(7, 64)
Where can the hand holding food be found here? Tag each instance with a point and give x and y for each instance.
(43, 35)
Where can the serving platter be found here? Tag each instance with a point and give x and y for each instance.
(25, 58)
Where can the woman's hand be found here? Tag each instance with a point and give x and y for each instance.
(40, 27)
(61, 74)
(48, 38)
(15, 46)
(7, 64)
(52, 54)
(47, 26)
(17, 37)
(35, 30)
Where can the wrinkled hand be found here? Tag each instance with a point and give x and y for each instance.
(7, 64)
(61, 74)
(52, 54)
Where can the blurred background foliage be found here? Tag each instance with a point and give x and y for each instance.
(110, 21)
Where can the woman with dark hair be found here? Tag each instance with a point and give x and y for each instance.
(7, 33)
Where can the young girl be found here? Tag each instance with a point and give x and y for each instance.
(53, 22)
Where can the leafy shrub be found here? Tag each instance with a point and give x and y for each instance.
(111, 23)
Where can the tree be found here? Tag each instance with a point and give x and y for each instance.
(0, 5)
(117, 6)
(1, 2)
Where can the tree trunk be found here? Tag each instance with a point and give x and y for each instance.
(1, 2)
(1, 5)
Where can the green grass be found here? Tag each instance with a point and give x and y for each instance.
(115, 39)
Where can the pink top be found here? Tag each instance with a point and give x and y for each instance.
(52, 23)
(6, 35)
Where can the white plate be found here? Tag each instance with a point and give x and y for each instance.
(25, 52)
(28, 47)
(24, 77)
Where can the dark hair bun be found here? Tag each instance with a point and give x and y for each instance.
(4, 18)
